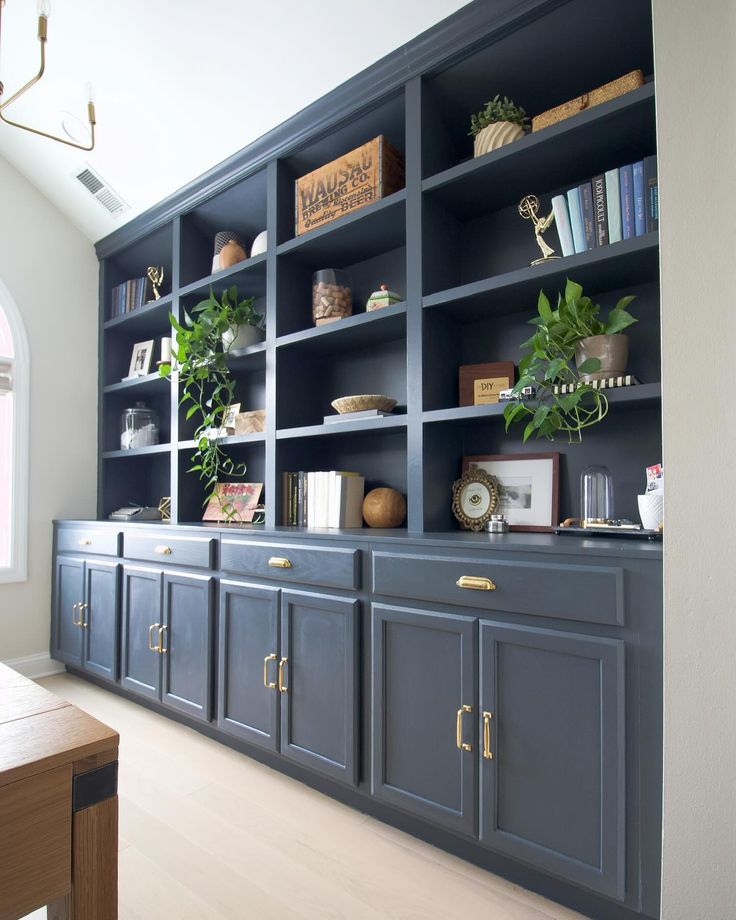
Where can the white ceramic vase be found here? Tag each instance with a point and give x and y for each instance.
(651, 510)
(496, 135)
(242, 336)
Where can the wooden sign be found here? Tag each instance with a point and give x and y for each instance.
(352, 181)
(480, 384)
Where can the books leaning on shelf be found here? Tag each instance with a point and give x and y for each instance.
(129, 296)
(608, 383)
(331, 498)
(616, 205)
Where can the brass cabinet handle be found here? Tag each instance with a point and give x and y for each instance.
(462, 745)
(151, 646)
(487, 752)
(269, 685)
(75, 621)
(475, 583)
(161, 647)
(279, 562)
(85, 541)
(162, 550)
(282, 686)
(83, 621)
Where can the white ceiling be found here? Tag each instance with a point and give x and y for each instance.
(180, 85)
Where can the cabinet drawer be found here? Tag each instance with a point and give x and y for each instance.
(169, 549)
(589, 593)
(312, 565)
(91, 540)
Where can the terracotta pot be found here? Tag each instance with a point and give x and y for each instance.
(496, 135)
(611, 350)
(242, 336)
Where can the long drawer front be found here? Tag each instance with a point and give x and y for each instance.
(102, 542)
(313, 565)
(589, 593)
(166, 549)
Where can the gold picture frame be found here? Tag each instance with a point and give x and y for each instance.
(474, 499)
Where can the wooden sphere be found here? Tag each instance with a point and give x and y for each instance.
(384, 508)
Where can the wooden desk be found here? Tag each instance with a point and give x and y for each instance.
(58, 806)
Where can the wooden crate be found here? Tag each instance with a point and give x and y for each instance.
(370, 172)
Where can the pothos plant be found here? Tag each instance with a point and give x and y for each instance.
(207, 387)
(498, 110)
(548, 364)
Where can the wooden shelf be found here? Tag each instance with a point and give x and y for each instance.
(369, 426)
(358, 331)
(151, 318)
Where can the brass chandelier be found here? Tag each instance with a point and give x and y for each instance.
(44, 8)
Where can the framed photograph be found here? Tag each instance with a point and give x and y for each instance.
(528, 487)
(229, 420)
(233, 502)
(140, 361)
(474, 498)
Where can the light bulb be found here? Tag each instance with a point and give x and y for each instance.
(90, 91)
(44, 8)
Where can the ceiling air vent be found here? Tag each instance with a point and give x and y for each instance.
(96, 186)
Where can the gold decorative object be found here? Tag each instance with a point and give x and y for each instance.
(474, 498)
(156, 277)
(164, 506)
(44, 8)
(529, 210)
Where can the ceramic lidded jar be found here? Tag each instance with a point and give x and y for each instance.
(382, 298)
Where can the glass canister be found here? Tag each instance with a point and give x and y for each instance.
(596, 495)
(332, 296)
(138, 427)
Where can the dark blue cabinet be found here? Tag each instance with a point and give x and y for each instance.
(66, 641)
(424, 756)
(551, 731)
(140, 661)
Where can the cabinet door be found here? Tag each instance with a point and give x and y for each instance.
(100, 619)
(140, 665)
(186, 645)
(424, 757)
(319, 668)
(553, 791)
(69, 595)
(248, 662)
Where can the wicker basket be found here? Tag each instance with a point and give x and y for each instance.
(347, 404)
(604, 93)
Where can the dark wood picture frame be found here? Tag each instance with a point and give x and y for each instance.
(555, 503)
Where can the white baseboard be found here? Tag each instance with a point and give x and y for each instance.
(34, 666)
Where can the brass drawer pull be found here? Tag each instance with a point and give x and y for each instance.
(282, 686)
(85, 541)
(279, 562)
(487, 752)
(269, 685)
(163, 550)
(475, 583)
(462, 745)
(151, 646)
(161, 647)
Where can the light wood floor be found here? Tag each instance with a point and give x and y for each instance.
(208, 834)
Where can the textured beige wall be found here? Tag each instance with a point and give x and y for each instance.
(50, 270)
(696, 80)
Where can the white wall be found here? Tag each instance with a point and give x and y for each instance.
(50, 270)
(696, 76)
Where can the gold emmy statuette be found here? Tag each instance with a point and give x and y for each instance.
(529, 210)
(155, 276)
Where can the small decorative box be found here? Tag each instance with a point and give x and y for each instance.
(603, 93)
(250, 422)
(382, 298)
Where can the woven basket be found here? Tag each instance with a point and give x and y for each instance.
(604, 93)
(347, 404)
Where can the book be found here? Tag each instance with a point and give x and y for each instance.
(576, 219)
(351, 514)
(613, 203)
(626, 181)
(564, 229)
(600, 210)
(586, 209)
(355, 416)
(640, 222)
(651, 195)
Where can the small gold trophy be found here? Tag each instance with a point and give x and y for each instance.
(529, 210)
(155, 276)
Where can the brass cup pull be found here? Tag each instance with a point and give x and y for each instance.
(77, 621)
(282, 686)
(462, 745)
(83, 621)
(85, 541)
(162, 550)
(487, 752)
(151, 628)
(475, 583)
(161, 647)
(269, 685)
(279, 562)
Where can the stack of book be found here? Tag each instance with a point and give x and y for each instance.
(322, 499)
(615, 205)
(129, 296)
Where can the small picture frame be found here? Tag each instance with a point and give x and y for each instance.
(233, 502)
(229, 420)
(528, 488)
(474, 498)
(140, 360)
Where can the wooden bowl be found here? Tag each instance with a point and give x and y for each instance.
(360, 403)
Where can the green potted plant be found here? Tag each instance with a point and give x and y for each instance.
(573, 332)
(499, 123)
(203, 341)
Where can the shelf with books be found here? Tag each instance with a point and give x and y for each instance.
(153, 250)
(150, 318)
(357, 331)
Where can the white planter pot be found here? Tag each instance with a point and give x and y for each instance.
(496, 135)
(241, 337)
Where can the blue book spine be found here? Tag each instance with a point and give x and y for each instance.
(588, 212)
(640, 218)
(651, 192)
(562, 220)
(626, 180)
(576, 220)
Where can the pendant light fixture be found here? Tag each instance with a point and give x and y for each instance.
(44, 9)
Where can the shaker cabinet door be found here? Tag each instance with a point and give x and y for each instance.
(552, 733)
(140, 661)
(425, 751)
(102, 594)
(69, 596)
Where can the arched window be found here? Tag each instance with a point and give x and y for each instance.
(14, 432)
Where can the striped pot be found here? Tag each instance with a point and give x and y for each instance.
(496, 135)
